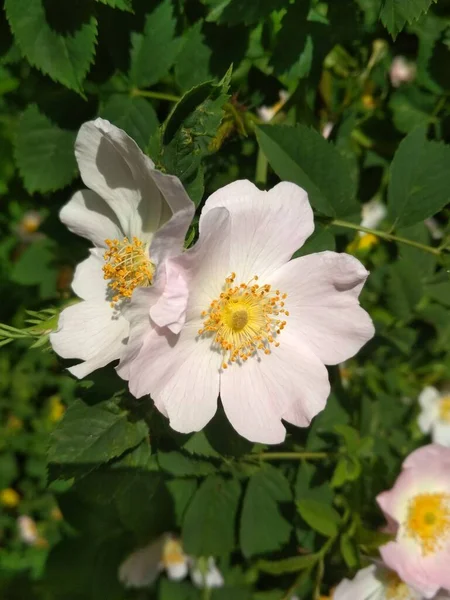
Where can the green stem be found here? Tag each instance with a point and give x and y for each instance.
(156, 95)
(387, 236)
(289, 455)
(206, 595)
(261, 168)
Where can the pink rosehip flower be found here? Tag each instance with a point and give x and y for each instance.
(135, 217)
(402, 71)
(259, 327)
(418, 506)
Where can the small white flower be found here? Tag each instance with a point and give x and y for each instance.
(373, 213)
(205, 574)
(28, 532)
(434, 417)
(378, 583)
(402, 71)
(433, 227)
(327, 129)
(136, 217)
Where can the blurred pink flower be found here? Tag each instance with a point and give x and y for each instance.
(402, 71)
(419, 507)
(259, 326)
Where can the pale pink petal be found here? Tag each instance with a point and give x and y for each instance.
(323, 306)
(413, 568)
(170, 308)
(289, 383)
(86, 214)
(112, 165)
(266, 227)
(366, 584)
(181, 373)
(433, 454)
(429, 396)
(441, 434)
(92, 332)
(169, 239)
(88, 281)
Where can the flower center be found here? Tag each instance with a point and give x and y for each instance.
(127, 266)
(428, 520)
(396, 589)
(245, 318)
(444, 409)
(172, 553)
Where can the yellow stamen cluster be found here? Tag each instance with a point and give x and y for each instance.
(127, 267)
(428, 520)
(245, 318)
(172, 553)
(444, 409)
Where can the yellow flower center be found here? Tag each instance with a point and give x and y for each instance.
(172, 553)
(245, 318)
(444, 409)
(127, 266)
(396, 589)
(428, 520)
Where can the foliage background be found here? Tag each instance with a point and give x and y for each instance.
(109, 475)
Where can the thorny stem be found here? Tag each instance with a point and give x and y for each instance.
(156, 95)
(387, 236)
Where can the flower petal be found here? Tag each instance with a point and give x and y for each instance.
(441, 434)
(181, 373)
(86, 214)
(290, 383)
(266, 227)
(112, 165)
(366, 584)
(88, 281)
(142, 567)
(169, 239)
(91, 331)
(323, 306)
(429, 396)
(170, 308)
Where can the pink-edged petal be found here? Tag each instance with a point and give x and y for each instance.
(412, 568)
(170, 309)
(266, 227)
(88, 281)
(86, 214)
(112, 165)
(323, 306)
(434, 454)
(181, 373)
(290, 383)
(92, 332)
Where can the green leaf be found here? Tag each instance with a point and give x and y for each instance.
(179, 465)
(349, 551)
(404, 289)
(236, 11)
(301, 155)
(120, 4)
(190, 132)
(322, 239)
(320, 516)
(287, 565)
(44, 152)
(94, 434)
(134, 115)
(419, 183)
(154, 51)
(209, 523)
(396, 13)
(182, 492)
(192, 66)
(177, 590)
(266, 489)
(65, 58)
(35, 267)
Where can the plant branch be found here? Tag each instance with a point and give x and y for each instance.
(387, 236)
(289, 455)
(156, 95)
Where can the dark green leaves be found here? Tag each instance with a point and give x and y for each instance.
(209, 522)
(320, 516)
(191, 133)
(301, 155)
(94, 434)
(263, 527)
(44, 152)
(396, 13)
(155, 50)
(192, 67)
(420, 179)
(134, 115)
(65, 57)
